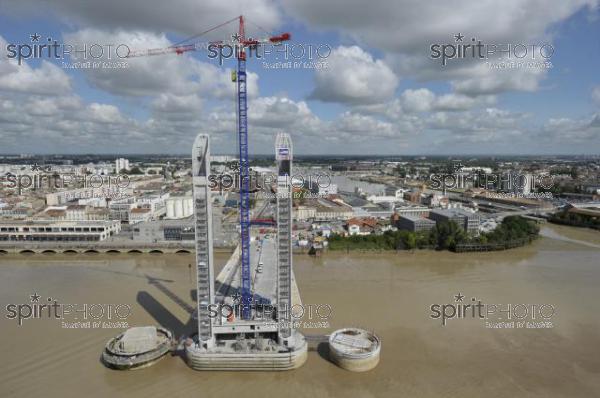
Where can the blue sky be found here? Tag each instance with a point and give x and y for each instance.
(380, 93)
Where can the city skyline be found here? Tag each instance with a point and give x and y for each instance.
(383, 92)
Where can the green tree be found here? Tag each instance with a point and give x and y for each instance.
(410, 241)
(135, 170)
(448, 235)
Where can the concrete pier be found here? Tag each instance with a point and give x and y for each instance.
(354, 349)
(137, 348)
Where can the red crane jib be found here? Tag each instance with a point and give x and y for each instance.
(280, 38)
(181, 49)
(250, 43)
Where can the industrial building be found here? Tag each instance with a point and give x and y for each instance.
(179, 207)
(327, 210)
(412, 210)
(467, 220)
(414, 223)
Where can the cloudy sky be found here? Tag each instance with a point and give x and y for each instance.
(379, 89)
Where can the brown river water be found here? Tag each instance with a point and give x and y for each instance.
(387, 292)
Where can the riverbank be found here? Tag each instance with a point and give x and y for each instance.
(513, 232)
(579, 220)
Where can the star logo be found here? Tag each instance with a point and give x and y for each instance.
(459, 37)
(35, 37)
(236, 37)
(459, 297)
(458, 166)
(35, 298)
(236, 298)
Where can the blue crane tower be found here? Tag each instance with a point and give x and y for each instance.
(244, 169)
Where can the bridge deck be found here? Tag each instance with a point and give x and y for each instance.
(264, 283)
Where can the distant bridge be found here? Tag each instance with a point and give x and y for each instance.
(20, 247)
(532, 213)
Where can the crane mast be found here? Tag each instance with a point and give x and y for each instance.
(244, 170)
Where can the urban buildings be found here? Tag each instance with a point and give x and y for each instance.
(58, 231)
(164, 230)
(121, 164)
(361, 226)
(139, 214)
(69, 195)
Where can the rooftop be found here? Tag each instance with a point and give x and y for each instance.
(416, 218)
(452, 212)
(76, 207)
(139, 210)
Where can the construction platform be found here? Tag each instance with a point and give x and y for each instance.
(249, 344)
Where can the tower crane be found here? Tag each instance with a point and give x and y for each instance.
(243, 43)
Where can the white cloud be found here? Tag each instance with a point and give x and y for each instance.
(48, 79)
(311, 134)
(103, 113)
(420, 100)
(566, 131)
(281, 113)
(354, 126)
(458, 102)
(485, 80)
(491, 126)
(353, 76)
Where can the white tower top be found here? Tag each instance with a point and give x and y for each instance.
(283, 146)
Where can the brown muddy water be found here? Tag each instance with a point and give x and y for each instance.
(388, 293)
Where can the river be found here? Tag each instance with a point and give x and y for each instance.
(387, 292)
